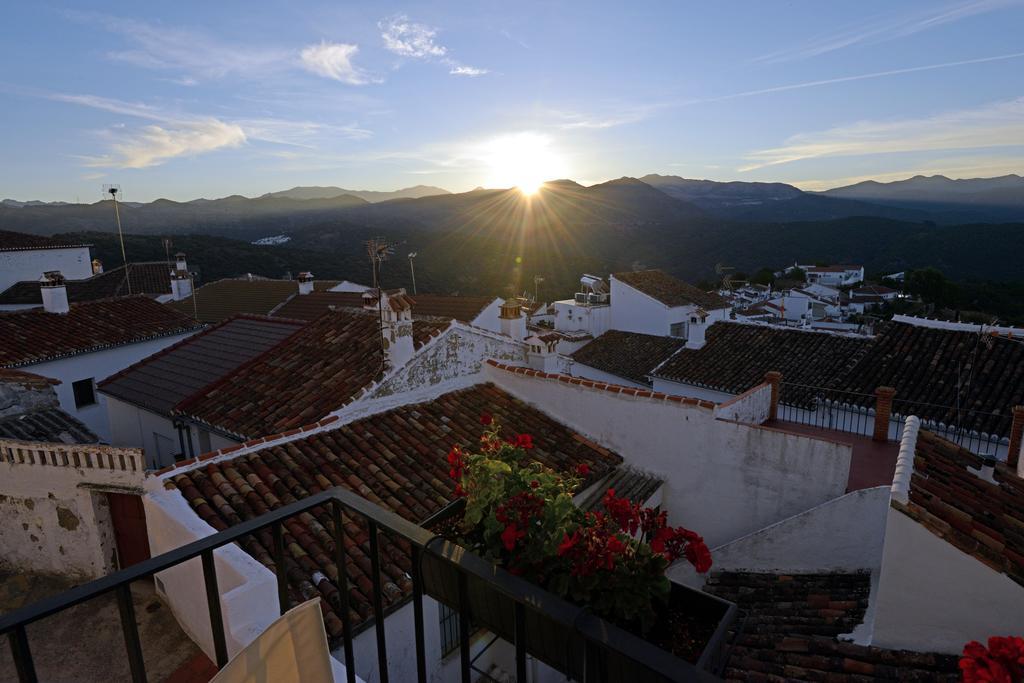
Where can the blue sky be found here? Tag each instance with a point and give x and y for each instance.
(210, 99)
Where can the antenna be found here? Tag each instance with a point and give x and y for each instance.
(724, 272)
(412, 271)
(537, 279)
(378, 249)
(112, 190)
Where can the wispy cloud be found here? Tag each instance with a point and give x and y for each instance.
(175, 134)
(334, 60)
(995, 125)
(886, 27)
(154, 144)
(406, 38)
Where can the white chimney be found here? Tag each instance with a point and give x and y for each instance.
(513, 323)
(97, 266)
(181, 279)
(396, 325)
(541, 353)
(305, 282)
(987, 470)
(54, 293)
(696, 330)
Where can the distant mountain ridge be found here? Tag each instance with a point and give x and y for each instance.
(372, 196)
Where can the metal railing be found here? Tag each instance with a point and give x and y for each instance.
(844, 411)
(598, 639)
(982, 433)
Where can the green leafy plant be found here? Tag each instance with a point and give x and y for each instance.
(521, 515)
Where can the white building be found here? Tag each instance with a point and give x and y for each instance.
(27, 257)
(653, 302)
(83, 344)
(834, 276)
(588, 313)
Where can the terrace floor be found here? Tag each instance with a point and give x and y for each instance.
(85, 643)
(872, 464)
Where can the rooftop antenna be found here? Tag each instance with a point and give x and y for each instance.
(537, 279)
(412, 271)
(724, 272)
(378, 249)
(112, 190)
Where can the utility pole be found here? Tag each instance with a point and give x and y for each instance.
(112, 190)
(537, 279)
(412, 271)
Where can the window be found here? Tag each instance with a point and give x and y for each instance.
(204, 441)
(85, 392)
(677, 330)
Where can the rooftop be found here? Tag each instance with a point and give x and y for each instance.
(321, 368)
(792, 624)
(224, 298)
(19, 241)
(146, 278)
(33, 335)
(628, 354)
(839, 268)
(395, 459)
(313, 305)
(51, 425)
(630, 483)
(668, 290)
(981, 518)
(934, 369)
(161, 381)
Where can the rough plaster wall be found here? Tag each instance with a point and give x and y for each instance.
(844, 534)
(55, 519)
(723, 479)
(16, 398)
(933, 597)
(750, 408)
(458, 352)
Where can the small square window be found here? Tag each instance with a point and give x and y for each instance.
(85, 392)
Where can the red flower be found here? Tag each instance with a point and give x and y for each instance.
(510, 535)
(486, 419)
(699, 556)
(583, 469)
(534, 484)
(1002, 662)
(568, 543)
(524, 441)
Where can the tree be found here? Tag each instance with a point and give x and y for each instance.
(765, 276)
(932, 286)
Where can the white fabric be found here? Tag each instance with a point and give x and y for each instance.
(293, 649)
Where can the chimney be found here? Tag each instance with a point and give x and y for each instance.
(97, 266)
(396, 325)
(305, 282)
(696, 331)
(513, 323)
(541, 353)
(181, 279)
(986, 471)
(55, 294)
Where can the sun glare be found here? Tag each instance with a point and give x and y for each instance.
(522, 160)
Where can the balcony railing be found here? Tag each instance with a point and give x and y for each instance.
(600, 642)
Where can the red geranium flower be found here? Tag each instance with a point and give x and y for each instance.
(583, 469)
(524, 441)
(486, 419)
(510, 535)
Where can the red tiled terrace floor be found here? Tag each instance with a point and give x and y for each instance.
(872, 464)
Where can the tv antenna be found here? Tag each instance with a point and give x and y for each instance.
(537, 279)
(379, 249)
(412, 271)
(112, 190)
(724, 272)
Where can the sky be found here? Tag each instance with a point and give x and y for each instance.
(185, 100)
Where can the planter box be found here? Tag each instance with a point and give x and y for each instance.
(557, 631)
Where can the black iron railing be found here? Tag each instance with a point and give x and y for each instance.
(600, 641)
(844, 411)
(982, 433)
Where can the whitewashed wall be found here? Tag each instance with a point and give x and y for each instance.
(489, 317)
(751, 407)
(636, 312)
(99, 365)
(54, 517)
(723, 479)
(933, 597)
(137, 427)
(577, 369)
(680, 389)
(571, 317)
(74, 263)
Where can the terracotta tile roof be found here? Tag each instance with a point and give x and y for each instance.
(225, 298)
(981, 518)
(311, 306)
(628, 354)
(322, 367)
(51, 425)
(26, 379)
(146, 278)
(791, 628)
(629, 483)
(394, 459)
(736, 356)
(161, 381)
(668, 290)
(19, 241)
(33, 335)
(931, 369)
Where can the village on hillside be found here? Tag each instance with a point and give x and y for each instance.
(833, 493)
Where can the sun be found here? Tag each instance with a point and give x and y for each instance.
(522, 160)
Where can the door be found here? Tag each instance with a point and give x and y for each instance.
(129, 520)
